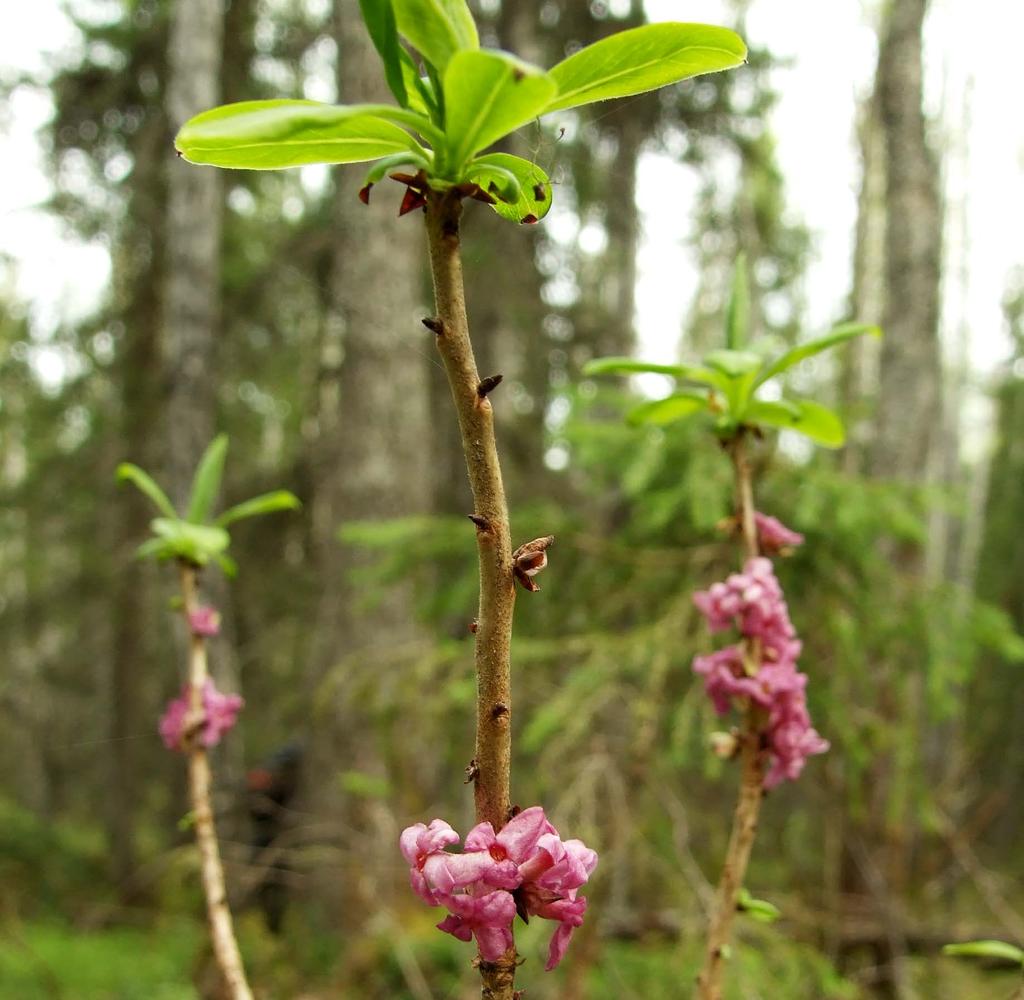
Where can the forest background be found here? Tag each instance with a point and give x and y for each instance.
(285, 313)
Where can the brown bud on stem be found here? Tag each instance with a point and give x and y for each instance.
(529, 559)
(488, 385)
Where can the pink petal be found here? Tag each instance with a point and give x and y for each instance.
(520, 834)
(422, 888)
(480, 837)
(559, 943)
(409, 841)
(456, 927)
(447, 872)
(172, 722)
(493, 942)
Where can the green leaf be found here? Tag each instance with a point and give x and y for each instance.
(379, 17)
(228, 566)
(141, 479)
(530, 180)
(156, 547)
(642, 59)
(206, 481)
(266, 503)
(437, 28)
(734, 364)
(487, 95)
(197, 543)
(667, 411)
(760, 909)
(986, 949)
(737, 318)
(628, 366)
(797, 354)
(811, 419)
(418, 89)
(269, 135)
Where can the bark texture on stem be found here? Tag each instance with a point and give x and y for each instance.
(497, 586)
(222, 933)
(753, 762)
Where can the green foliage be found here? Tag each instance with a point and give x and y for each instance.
(192, 538)
(524, 188)
(47, 868)
(468, 99)
(270, 135)
(507, 93)
(43, 961)
(645, 58)
(737, 319)
(732, 377)
(986, 949)
(437, 28)
(758, 909)
(379, 18)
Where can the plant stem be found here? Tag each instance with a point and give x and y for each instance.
(222, 933)
(753, 764)
(497, 585)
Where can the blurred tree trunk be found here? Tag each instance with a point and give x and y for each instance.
(192, 321)
(906, 437)
(191, 304)
(858, 378)
(192, 312)
(373, 433)
(909, 409)
(370, 451)
(139, 268)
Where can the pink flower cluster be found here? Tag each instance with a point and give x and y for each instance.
(753, 603)
(220, 712)
(773, 535)
(525, 868)
(204, 621)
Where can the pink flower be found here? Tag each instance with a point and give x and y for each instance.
(791, 736)
(773, 535)
(551, 871)
(551, 879)
(172, 722)
(518, 837)
(435, 874)
(753, 603)
(204, 621)
(526, 856)
(419, 844)
(488, 918)
(220, 713)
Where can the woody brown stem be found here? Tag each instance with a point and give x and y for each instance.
(497, 587)
(753, 760)
(222, 933)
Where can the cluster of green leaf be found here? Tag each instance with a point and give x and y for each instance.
(196, 537)
(455, 100)
(728, 381)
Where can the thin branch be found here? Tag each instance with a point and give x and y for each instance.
(490, 515)
(753, 759)
(222, 933)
